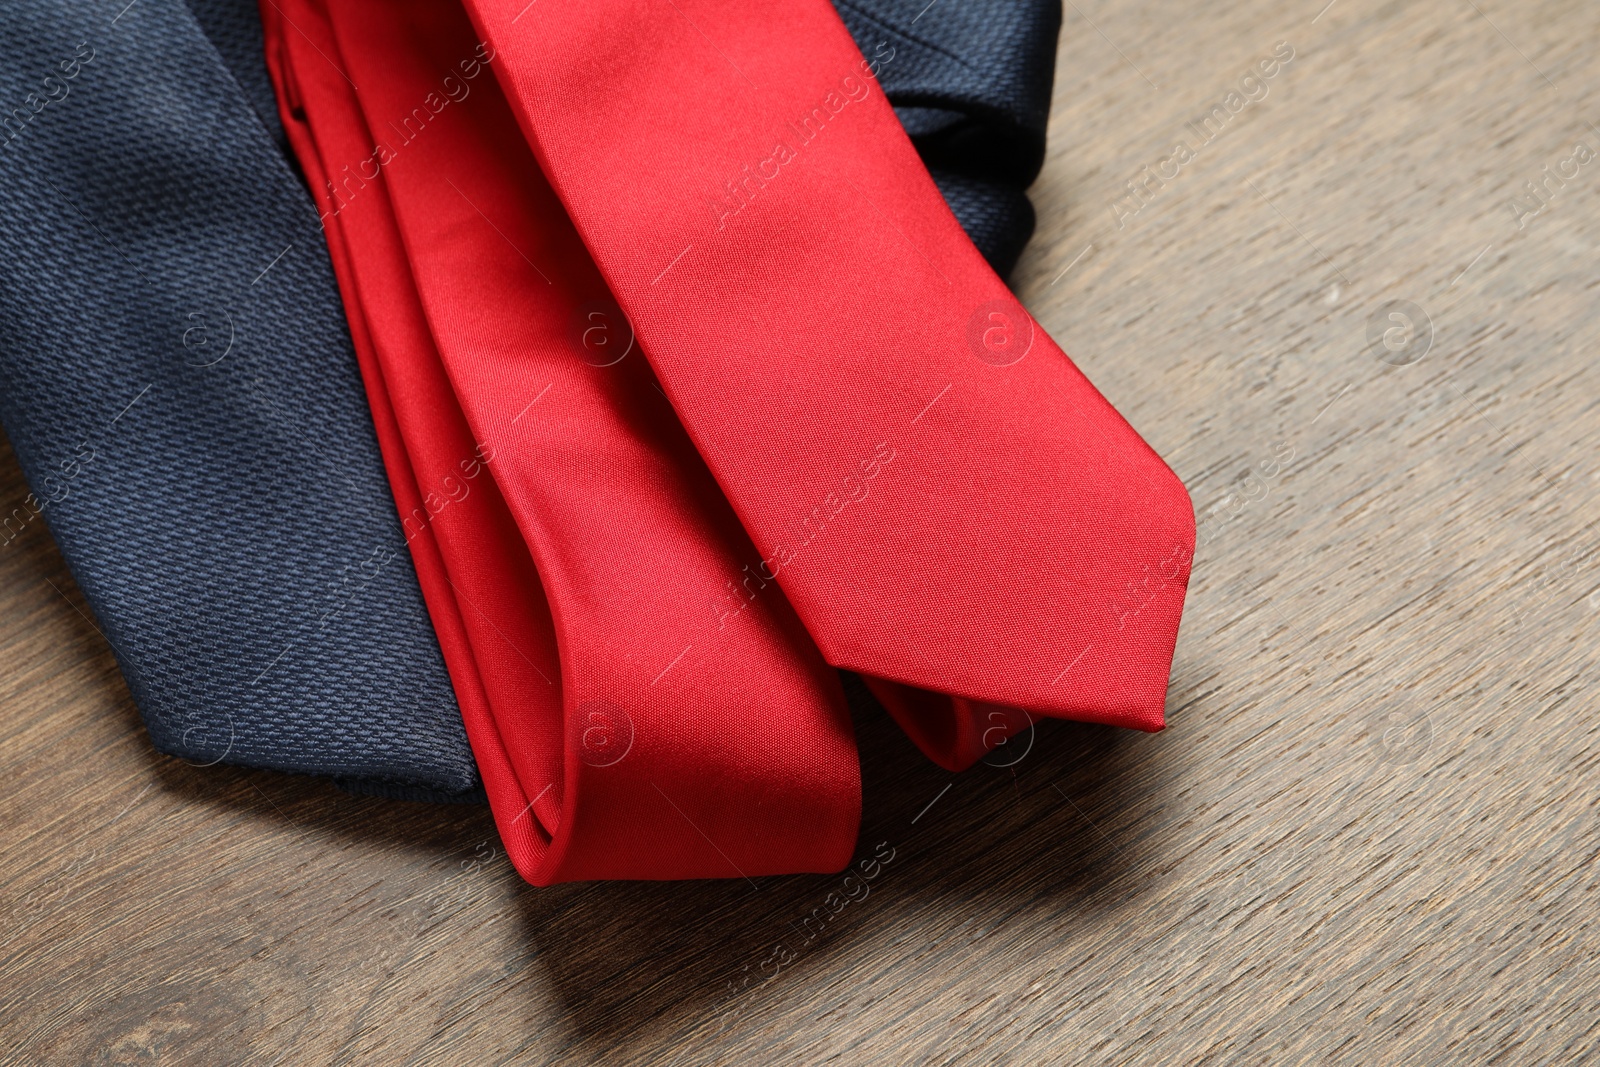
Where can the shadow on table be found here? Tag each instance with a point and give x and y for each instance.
(640, 963)
(1072, 826)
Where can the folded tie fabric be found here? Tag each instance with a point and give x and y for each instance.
(971, 83)
(627, 723)
(177, 383)
(953, 510)
(975, 561)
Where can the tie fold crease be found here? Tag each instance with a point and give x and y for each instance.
(690, 384)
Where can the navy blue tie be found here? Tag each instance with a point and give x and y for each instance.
(178, 386)
(971, 82)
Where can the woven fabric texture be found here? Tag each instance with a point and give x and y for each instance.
(970, 81)
(177, 382)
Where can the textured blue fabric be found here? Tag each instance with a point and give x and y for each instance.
(971, 82)
(179, 388)
(234, 29)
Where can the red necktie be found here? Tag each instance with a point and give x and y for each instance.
(952, 508)
(636, 711)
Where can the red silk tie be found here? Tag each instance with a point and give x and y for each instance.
(953, 509)
(631, 718)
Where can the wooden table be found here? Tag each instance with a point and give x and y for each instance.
(1369, 834)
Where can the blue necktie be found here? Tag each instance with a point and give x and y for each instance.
(178, 386)
(971, 82)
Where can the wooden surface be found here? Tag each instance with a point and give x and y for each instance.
(1369, 834)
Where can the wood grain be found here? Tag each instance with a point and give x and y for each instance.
(1369, 834)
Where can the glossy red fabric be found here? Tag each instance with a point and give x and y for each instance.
(634, 714)
(952, 508)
